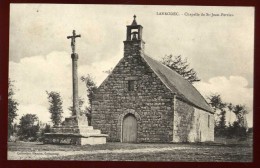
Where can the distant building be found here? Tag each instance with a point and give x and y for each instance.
(142, 100)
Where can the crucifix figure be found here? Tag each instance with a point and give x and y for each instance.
(73, 41)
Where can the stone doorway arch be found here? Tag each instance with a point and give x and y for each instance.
(129, 129)
(127, 113)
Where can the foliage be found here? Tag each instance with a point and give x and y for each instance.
(219, 107)
(109, 71)
(28, 127)
(216, 102)
(238, 129)
(91, 89)
(88, 114)
(181, 66)
(46, 129)
(240, 111)
(12, 107)
(250, 130)
(55, 107)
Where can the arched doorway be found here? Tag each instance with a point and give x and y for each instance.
(129, 133)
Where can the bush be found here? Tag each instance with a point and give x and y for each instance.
(42, 131)
(236, 131)
(13, 138)
(28, 127)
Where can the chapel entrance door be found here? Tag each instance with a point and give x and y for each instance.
(129, 129)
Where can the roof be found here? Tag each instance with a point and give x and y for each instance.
(177, 84)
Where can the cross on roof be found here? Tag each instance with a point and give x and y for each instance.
(73, 41)
(134, 21)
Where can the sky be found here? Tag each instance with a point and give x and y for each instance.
(218, 45)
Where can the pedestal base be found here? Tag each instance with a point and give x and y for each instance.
(73, 133)
(93, 140)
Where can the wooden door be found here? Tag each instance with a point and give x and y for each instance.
(129, 128)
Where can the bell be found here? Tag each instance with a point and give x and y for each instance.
(134, 35)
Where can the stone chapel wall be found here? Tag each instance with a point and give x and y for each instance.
(192, 124)
(150, 102)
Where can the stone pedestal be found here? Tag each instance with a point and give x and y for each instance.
(74, 132)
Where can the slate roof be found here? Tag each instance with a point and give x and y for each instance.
(177, 84)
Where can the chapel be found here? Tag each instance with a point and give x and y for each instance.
(143, 100)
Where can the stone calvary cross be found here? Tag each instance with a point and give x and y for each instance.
(73, 40)
(75, 129)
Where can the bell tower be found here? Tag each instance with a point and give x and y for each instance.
(134, 44)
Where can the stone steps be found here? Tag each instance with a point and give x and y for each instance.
(75, 129)
(91, 132)
(75, 139)
(75, 133)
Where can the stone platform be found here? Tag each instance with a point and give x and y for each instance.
(71, 132)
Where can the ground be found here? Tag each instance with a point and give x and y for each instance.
(209, 152)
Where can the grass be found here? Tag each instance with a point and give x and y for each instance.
(38, 146)
(210, 155)
(210, 152)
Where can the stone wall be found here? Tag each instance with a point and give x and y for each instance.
(150, 101)
(192, 124)
(205, 126)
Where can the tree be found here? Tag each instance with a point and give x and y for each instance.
(219, 107)
(238, 128)
(109, 71)
(91, 89)
(12, 107)
(55, 107)
(181, 67)
(235, 130)
(28, 127)
(230, 109)
(240, 112)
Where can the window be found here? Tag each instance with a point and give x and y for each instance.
(208, 120)
(131, 85)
